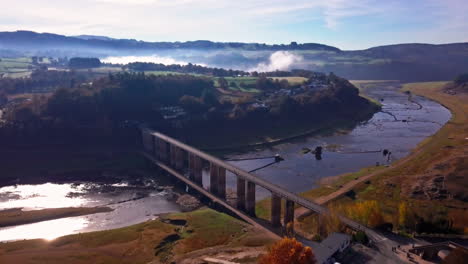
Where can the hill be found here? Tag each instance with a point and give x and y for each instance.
(406, 62)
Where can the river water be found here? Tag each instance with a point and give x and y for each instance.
(401, 125)
(131, 204)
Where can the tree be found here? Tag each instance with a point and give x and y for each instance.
(84, 63)
(366, 212)
(288, 251)
(209, 98)
(223, 83)
(192, 104)
(361, 237)
(402, 214)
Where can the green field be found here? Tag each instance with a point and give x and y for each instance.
(15, 67)
(249, 81)
(295, 80)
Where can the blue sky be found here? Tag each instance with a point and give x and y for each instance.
(346, 24)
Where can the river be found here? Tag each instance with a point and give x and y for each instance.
(399, 127)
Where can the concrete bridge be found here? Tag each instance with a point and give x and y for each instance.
(186, 163)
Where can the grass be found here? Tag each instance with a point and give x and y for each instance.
(386, 184)
(292, 80)
(248, 81)
(18, 217)
(15, 67)
(263, 207)
(169, 72)
(137, 243)
(206, 228)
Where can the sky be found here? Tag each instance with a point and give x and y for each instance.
(346, 24)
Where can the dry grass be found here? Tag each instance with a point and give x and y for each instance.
(449, 141)
(292, 80)
(136, 244)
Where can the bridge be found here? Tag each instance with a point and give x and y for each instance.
(186, 163)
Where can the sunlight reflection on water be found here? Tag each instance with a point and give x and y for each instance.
(34, 197)
(48, 230)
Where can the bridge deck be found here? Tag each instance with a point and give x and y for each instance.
(212, 197)
(274, 189)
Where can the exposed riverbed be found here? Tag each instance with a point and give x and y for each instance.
(403, 123)
(131, 204)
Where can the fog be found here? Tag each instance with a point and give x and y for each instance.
(279, 60)
(152, 59)
(234, 59)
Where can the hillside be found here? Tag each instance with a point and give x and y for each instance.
(406, 62)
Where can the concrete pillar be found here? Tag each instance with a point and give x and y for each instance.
(289, 213)
(250, 201)
(222, 182)
(145, 138)
(198, 170)
(240, 193)
(179, 159)
(153, 145)
(191, 166)
(164, 150)
(214, 172)
(275, 210)
(172, 154)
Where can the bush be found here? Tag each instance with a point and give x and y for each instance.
(288, 251)
(361, 237)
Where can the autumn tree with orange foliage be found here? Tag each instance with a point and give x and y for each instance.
(288, 251)
(366, 212)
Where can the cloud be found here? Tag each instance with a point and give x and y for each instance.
(279, 60)
(353, 23)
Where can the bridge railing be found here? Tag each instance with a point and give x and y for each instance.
(170, 150)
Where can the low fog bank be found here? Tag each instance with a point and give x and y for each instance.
(261, 62)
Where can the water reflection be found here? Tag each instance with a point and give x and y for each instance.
(46, 230)
(34, 197)
(131, 204)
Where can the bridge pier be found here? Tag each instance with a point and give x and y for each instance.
(222, 182)
(179, 159)
(275, 210)
(250, 201)
(164, 150)
(289, 214)
(191, 166)
(214, 171)
(198, 170)
(172, 155)
(240, 193)
(153, 145)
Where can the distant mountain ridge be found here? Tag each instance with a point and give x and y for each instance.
(406, 62)
(24, 38)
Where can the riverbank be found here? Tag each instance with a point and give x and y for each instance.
(229, 141)
(174, 237)
(444, 153)
(16, 216)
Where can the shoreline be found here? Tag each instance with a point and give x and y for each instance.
(17, 217)
(368, 184)
(360, 175)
